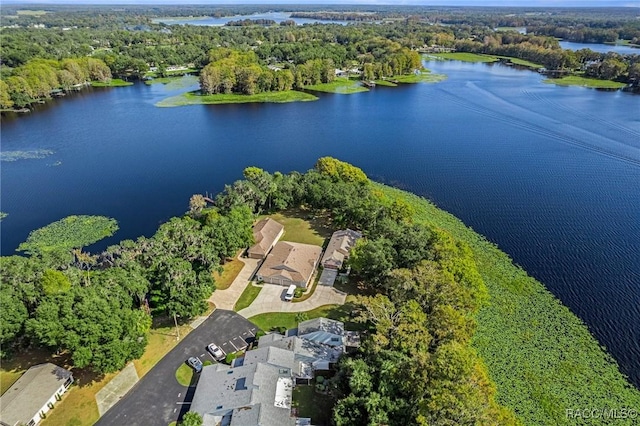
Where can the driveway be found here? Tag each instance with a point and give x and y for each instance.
(158, 398)
(271, 299)
(226, 299)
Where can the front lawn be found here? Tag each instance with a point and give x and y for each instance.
(272, 320)
(247, 297)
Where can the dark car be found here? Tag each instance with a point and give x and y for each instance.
(195, 363)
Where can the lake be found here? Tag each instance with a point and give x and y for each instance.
(217, 22)
(551, 174)
(602, 48)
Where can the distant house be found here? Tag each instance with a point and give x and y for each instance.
(341, 73)
(339, 247)
(29, 399)
(290, 263)
(257, 392)
(266, 233)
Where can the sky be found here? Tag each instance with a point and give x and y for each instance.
(524, 3)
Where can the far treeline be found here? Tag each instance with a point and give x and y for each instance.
(129, 43)
(425, 294)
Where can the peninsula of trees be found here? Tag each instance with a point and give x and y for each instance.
(456, 333)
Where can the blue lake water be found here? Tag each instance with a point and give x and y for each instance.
(216, 22)
(602, 48)
(551, 174)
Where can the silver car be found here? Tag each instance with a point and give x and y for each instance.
(215, 352)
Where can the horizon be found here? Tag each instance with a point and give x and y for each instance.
(436, 3)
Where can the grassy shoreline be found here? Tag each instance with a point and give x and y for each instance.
(193, 98)
(540, 355)
(574, 80)
(115, 82)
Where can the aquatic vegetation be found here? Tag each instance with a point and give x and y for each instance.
(69, 233)
(24, 155)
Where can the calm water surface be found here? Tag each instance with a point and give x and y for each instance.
(602, 48)
(217, 22)
(551, 174)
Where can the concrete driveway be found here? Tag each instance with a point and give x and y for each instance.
(226, 299)
(271, 299)
(158, 398)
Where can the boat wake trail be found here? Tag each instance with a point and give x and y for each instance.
(523, 118)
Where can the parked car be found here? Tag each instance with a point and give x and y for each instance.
(195, 363)
(215, 352)
(291, 291)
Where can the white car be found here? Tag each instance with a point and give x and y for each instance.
(216, 352)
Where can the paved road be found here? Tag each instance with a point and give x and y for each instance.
(271, 299)
(158, 399)
(226, 299)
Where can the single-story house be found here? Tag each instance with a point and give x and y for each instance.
(266, 234)
(290, 263)
(257, 392)
(339, 247)
(28, 400)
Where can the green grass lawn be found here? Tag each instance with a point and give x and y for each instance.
(192, 98)
(115, 82)
(540, 355)
(309, 403)
(184, 374)
(303, 226)
(339, 85)
(342, 313)
(465, 57)
(574, 80)
(247, 297)
(230, 271)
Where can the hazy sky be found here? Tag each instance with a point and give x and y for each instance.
(529, 3)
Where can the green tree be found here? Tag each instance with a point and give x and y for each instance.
(55, 282)
(191, 418)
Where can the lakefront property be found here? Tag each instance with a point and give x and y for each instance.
(290, 264)
(302, 291)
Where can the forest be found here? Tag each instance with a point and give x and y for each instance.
(37, 50)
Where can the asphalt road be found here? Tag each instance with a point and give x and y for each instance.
(158, 398)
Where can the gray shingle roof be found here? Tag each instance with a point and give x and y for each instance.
(254, 394)
(26, 397)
